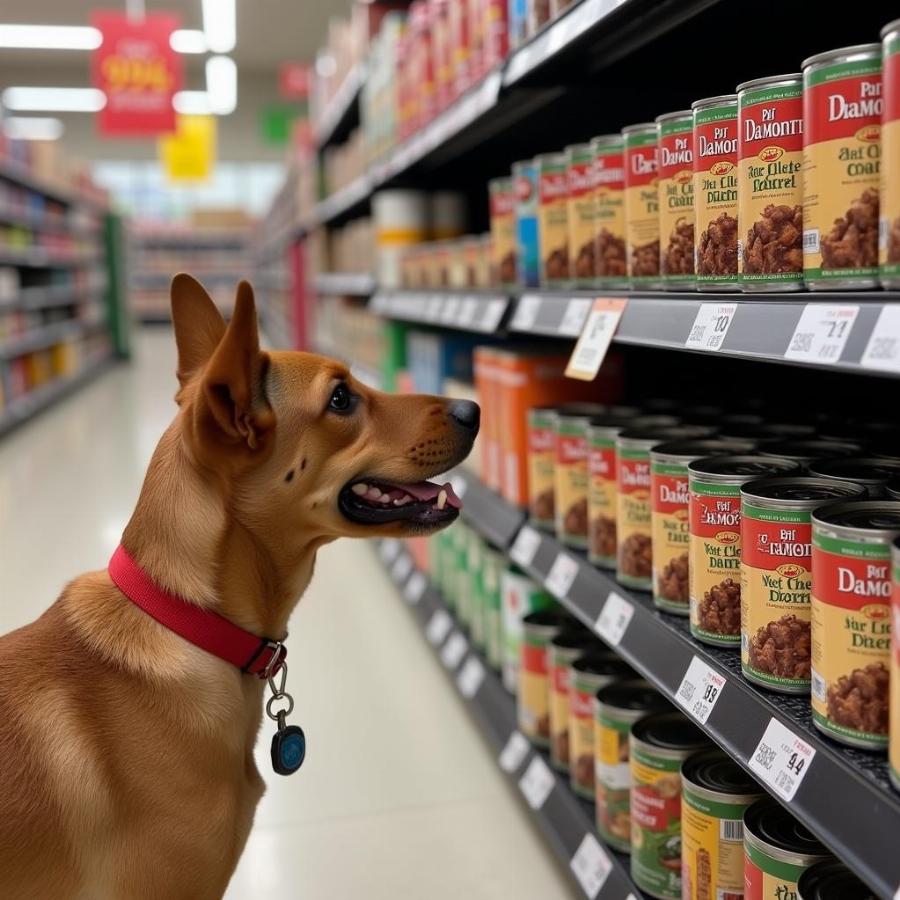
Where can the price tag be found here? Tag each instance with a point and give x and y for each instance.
(537, 782)
(573, 319)
(561, 575)
(591, 865)
(415, 587)
(700, 689)
(514, 752)
(883, 350)
(782, 759)
(493, 313)
(470, 677)
(710, 326)
(438, 627)
(526, 313)
(454, 650)
(403, 565)
(467, 310)
(613, 620)
(450, 311)
(379, 304)
(389, 549)
(590, 350)
(433, 310)
(525, 546)
(821, 333)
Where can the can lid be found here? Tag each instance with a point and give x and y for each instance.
(720, 100)
(577, 149)
(600, 662)
(571, 638)
(604, 140)
(874, 515)
(891, 26)
(808, 450)
(809, 492)
(669, 731)
(795, 78)
(769, 822)
(715, 770)
(523, 164)
(550, 618)
(550, 159)
(742, 419)
(635, 694)
(668, 433)
(866, 50)
(831, 880)
(639, 127)
(874, 470)
(746, 466)
(673, 116)
(695, 449)
(620, 409)
(503, 184)
(581, 410)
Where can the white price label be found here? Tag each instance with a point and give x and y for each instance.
(573, 319)
(433, 310)
(782, 759)
(403, 565)
(389, 549)
(710, 326)
(470, 677)
(514, 752)
(537, 782)
(591, 865)
(525, 546)
(613, 620)
(438, 627)
(526, 313)
(821, 333)
(561, 575)
(883, 350)
(493, 313)
(454, 650)
(590, 350)
(450, 311)
(415, 587)
(700, 689)
(467, 310)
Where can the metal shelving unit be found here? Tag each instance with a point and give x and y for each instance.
(345, 284)
(479, 311)
(342, 114)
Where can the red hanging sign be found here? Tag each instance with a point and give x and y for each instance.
(138, 71)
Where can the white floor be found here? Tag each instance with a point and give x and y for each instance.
(399, 797)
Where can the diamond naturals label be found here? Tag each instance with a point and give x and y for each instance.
(542, 467)
(671, 536)
(571, 482)
(642, 207)
(676, 200)
(553, 221)
(581, 178)
(889, 238)
(602, 500)
(503, 231)
(633, 522)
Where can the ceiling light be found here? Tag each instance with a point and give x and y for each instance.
(188, 40)
(50, 37)
(219, 25)
(192, 103)
(32, 129)
(54, 99)
(221, 85)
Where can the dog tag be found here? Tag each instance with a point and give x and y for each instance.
(288, 748)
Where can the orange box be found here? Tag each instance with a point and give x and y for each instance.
(487, 388)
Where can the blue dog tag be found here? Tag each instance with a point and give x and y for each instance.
(288, 749)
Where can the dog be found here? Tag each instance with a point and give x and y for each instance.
(126, 750)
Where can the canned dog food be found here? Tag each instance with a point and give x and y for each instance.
(777, 851)
(642, 205)
(503, 231)
(889, 232)
(872, 472)
(765, 431)
(520, 596)
(565, 648)
(831, 880)
(659, 744)
(670, 527)
(714, 550)
(553, 219)
(894, 743)
(475, 566)
(715, 795)
(676, 199)
(538, 629)
(851, 620)
(542, 466)
(582, 213)
(805, 451)
(842, 107)
(493, 565)
(776, 576)
(525, 185)
(610, 268)
(590, 672)
(616, 708)
(715, 192)
(770, 192)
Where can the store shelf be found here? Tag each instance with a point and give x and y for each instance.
(342, 114)
(18, 174)
(32, 298)
(479, 312)
(349, 199)
(345, 284)
(565, 821)
(37, 258)
(840, 785)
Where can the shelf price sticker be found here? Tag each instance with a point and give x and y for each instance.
(526, 313)
(596, 336)
(700, 689)
(415, 587)
(434, 307)
(389, 549)
(561, 575)
(525, 546)
(537, 783)
(493, 313)
(782, 759)
(821, 333)
(883, 350)
(467, 310)
(470, 677)
(403, 565)
(450, 311)
(438, 627)
(454, 650)
(577, 310)
(514, 752)
(614, 618)
(591, 865)
(710, 326)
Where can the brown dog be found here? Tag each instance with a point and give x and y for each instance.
(126, 752)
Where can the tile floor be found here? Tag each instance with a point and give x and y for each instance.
(399, 797)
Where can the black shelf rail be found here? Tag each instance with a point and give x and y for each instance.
(482, 312)
(345, 284)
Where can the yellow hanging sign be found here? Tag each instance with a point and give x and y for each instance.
(190, 153)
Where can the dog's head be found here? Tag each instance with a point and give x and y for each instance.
(298, 445)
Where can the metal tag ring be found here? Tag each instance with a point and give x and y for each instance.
(276, 713)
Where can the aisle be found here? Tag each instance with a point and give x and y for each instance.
(399, 797)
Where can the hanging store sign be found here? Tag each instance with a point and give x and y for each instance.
(190, 153)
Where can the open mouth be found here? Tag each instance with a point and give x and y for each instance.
(423, 504)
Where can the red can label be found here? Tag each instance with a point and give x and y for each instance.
(553, 186)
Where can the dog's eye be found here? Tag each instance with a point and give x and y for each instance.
(341, 399)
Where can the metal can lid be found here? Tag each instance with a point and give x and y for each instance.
(869, 470)
(879, 517)
(720, 100)
(641, 437)
(674, 116)
(808, 450)
(623, 410)
(889, 28)
(600, 662)
(669, 732)
(550, 159)
(521, 164)
(738, 469)
(606, 140)
(685, 451)
(866, 51)
(577, 150)
(769, 827)
(500, 185)
(801, 492)
(634, 696)
(640, 128)
(571, 638)
(581, 410)
(620, 423)
(766, 431)
(831, 880)
(892, 489)
(794, 78)
(713, 771)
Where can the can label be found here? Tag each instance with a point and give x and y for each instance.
(842, 106)
(571, 484)
(582, 216)
(671, 536)
(609, 239)
(534, 690)
(581, 733)
(656, 824)
(770, 196)
(633, 521)
(676, 201)
(560, 714)
(715, 562)
(553, 230)
(894, 746)
(766, 878)
(889, 236)
(642, 208)
(493, 566)
(851, 639)
(525, 185)
(520, 596)
(715, 194)
(503, 232)
(612, 779)
(602, 502)
(542, 468)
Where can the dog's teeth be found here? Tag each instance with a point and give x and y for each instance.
(442, 500)
(374, 493)
(359, 489)
(385, 498)
(403, 500)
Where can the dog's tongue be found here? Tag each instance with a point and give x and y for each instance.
(426, 491)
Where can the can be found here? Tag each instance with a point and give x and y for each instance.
(842, 106)
(806, 450)
(475, 567)
(642, 205)
(520, 596)
(617, 706)
(565, 648)
(894, 741)
(582, 213)
(851, 620)
(590, 672)
(669, 522)
(714, 549)
(538, 629)
(675, 132)
(766, 431)
(503, 232)
(777, 851)
(493, 565)
(542, 466)
(525, 185)
(460, 576)
(776, 576)
(400, 220)
(658, 746)
(831, 880)
(716, 793)
(770, 192)
(889, 230)
(715, 192)
(872, 472)
(610, 268)
(892, 489)
(553, 219)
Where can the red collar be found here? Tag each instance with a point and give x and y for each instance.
(202, 627)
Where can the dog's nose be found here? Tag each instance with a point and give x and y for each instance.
(464, 413)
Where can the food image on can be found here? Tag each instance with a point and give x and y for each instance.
(676, 198)
(714, 550)
(589, 673)
(553, 219)
(874, 473)
(889, 230)
(716, 793)
(610, 267)
(851, 620)
(525, 185)
(776, 576)
(617, 706)
(642, 205)
(493, 564)
(582, 213)
(520, 596)
(894, 739)
(842, 107)
(770, 191)
(777, 851)
(565, 648)
(658, 746)
(533, 708)
(831, 880)
(715, 192)
(542, 467)
(670, 526)
(503, 231)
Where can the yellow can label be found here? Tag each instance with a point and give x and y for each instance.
(642, 208)
(572, 483)
(602, 501)
(609, 241)
(633, 520)
(553, 219)
(582, 215)
(676, 200)
(612, 780)
(671, 535)
(542, 467)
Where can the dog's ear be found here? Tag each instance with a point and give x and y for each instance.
(199, 326)
(232, 386)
